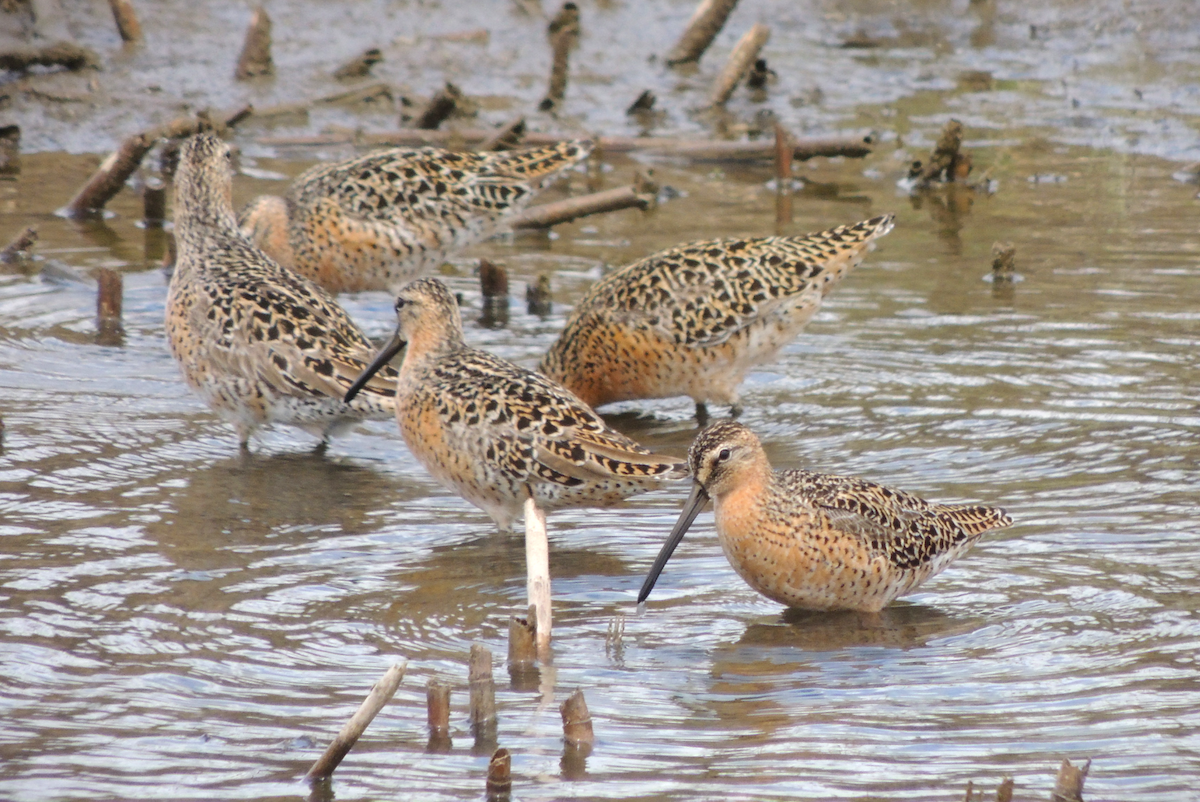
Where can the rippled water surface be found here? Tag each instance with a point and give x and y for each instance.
(181, 621)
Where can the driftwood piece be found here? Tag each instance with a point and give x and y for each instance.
(562, 42)
(359, 66)
(508, 137)
(439, 107)
(256, 59)
(744, 54)
(58, 54)
(693, 149)
(154, 203)
(499, 776)
(609, 200)
(706, 22)
(126, 19)
(19, 246)
(1068, 787)
(108, 179)
(522, 650)
(380, 694)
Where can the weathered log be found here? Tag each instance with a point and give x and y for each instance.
(741, 59)
(499, 776)
(577, 721)
(437, 698)
(1068, 787)
(706, 22)
(379, 696)
(109, 295)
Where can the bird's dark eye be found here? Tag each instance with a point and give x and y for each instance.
(400, 302)
(724, 455)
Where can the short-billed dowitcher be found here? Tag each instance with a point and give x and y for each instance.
(259, 343)
(376, 221)
(814, 540)
(692, 320)
(505, 438)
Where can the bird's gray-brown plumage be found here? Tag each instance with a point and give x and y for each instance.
(497, 433)
(819, 541)
(376, 221)
(692, 320)
(257, 342)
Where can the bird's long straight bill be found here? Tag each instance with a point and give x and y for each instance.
(382, 358)
(694, 505)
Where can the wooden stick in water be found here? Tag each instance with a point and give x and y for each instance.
(437, 698)
(537, 568)
(1068, 787)
(379, 696)
(256, 50)
(706, 22)
(783, 178)
(499, 776)
(577, 722)
(127, 21)
(21, 244)
(110, 176)
(744, 54)
(564, 211)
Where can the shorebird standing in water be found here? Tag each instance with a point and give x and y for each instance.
(818, 541)
(507, 439)
(259, 343)
(376, 221)
(694, 319)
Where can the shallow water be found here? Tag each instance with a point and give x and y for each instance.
(179, 621)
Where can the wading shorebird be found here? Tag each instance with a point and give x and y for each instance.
(376, 221)
(818, 541)
(506, 439)
(257, 342)
(692, 320)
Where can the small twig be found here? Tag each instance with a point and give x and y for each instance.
(108, 179)
(744, 54)
(567, 19)
(564, 211)
(256, 50)
(359, 66)
(19, 246)
(127, 21)
(1068, 787)
(359, 94)
(706, 22)
(379, 696)
(537, 574)
(439, 107)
